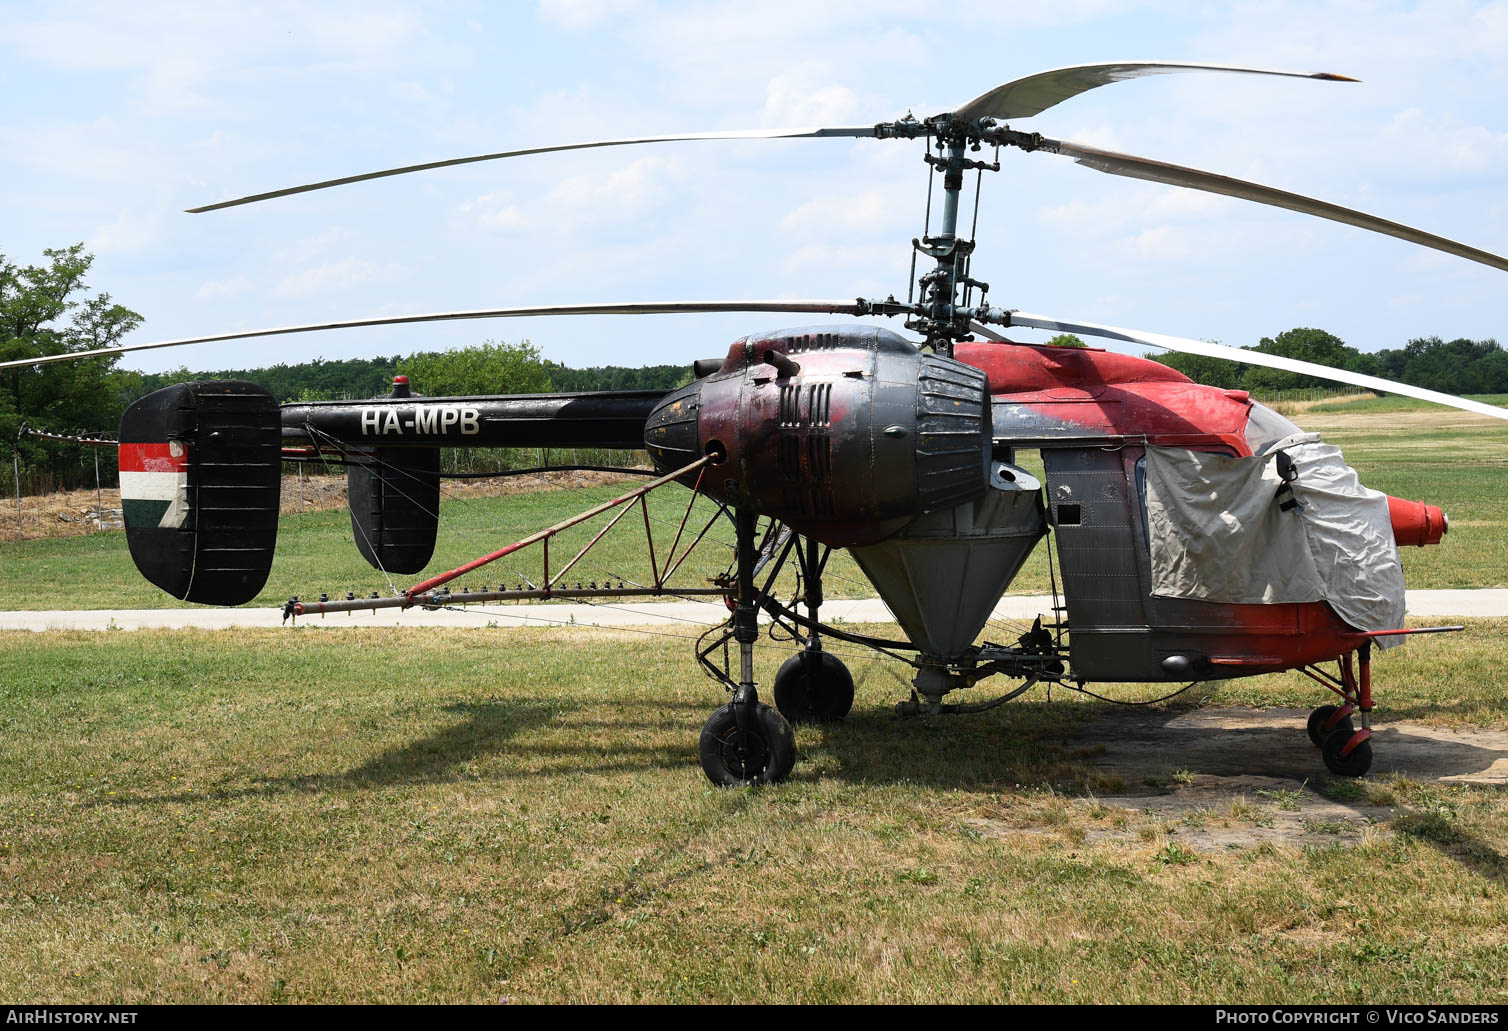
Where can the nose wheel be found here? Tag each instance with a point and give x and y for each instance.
(763, 753)
(745, 742)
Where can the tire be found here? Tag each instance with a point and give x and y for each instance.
(1354, 765)
(821, 695)
(1317, 720)
(771, 750)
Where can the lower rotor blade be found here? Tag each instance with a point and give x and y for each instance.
(638, 308)
(980, 329)
(733, 134)
(1033, 94)
(1177, 175)
(1271, 361)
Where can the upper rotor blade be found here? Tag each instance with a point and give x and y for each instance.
(1022, 98)
(1271, 361)
(638, 308)
(734, 134)
(1177, 175)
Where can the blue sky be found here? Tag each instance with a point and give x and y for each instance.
(122, 115)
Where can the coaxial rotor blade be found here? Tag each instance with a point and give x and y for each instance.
(734, 134)
(1177, 175)
(1022, 98)
(1236, 354)
(980, 329)
(638, 308)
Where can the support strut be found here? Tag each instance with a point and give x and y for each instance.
(745, 624)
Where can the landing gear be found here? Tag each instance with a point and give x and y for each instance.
(745, 742)
(1328, 720)
(813, 687)
(1347, 751)
(763, 754)
(1346, 756)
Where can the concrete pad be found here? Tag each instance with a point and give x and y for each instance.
(1217, 778)
(609, 613)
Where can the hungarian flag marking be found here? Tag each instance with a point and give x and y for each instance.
(154, 484)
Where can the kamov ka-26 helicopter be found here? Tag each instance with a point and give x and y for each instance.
(1199, 534)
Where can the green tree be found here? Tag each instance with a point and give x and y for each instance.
(1456, 367)
(44, 311)
(1308, 345)
(617, 377)
(489, 368)
(1212, 372)
(1067, 340)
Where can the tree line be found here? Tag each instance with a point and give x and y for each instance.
(47, 309)
(1457, 366)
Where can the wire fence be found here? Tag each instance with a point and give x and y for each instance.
(1270, 397)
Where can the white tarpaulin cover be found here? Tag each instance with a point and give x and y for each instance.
(1218, 532)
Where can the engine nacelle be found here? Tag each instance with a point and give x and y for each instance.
(844, 434)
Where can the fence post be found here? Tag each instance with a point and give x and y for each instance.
(15, 454)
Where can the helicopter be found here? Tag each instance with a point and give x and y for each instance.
(1199, 534)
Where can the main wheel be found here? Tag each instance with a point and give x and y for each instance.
(1317, 720)
(1354, 765)
(769, 748)
(813, 687)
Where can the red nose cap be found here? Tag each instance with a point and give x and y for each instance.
(1415, 523)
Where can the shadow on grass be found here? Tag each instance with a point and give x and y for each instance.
(1023, 744)
(1072, 748)
(485, 729)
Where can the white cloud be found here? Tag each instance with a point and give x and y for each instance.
(580, 14)
(582, 201)
(217, 288)
(1127, 210)
(345, 274)
(876, 209)
(495, 211)
(806, 96)
(311, 248)
(893, 261)
(131, 231)
(1442, 148)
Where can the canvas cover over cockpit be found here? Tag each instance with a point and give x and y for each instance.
(1240, 531)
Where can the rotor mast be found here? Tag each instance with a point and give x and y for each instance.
(940, 314)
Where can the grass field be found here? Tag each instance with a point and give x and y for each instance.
(316, 553)
(1405, 448)
(349, 815)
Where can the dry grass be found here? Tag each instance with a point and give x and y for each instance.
(354, 815)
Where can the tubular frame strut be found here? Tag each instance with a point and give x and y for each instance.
(429, 594)
(1354, 688)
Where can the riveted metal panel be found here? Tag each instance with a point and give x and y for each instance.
(1098, 549)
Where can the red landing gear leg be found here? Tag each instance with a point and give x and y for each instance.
(1350, 755)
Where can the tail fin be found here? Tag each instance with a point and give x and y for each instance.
(395, 506)
(200, 472)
